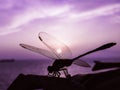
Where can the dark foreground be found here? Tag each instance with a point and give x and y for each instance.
(109, 80)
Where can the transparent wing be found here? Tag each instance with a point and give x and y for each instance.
(57, 47)
(39, 50)
(81, 63)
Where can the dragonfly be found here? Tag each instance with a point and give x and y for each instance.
(61, 54)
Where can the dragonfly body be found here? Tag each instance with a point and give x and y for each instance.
(60, 63)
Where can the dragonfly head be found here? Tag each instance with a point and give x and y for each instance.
(50, 69)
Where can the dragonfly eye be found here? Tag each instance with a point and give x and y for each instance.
(59, 51)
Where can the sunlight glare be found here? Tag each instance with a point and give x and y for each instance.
(59, 51)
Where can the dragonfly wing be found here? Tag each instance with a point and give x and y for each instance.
(39, 50)
(57, 47)
(81, 63)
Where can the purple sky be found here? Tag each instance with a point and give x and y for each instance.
(81, 24)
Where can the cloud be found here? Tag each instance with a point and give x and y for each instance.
(6, 32)
(19, 13)
(101, 11)
(15, 14)
(37, 13)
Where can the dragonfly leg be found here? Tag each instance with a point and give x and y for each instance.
(56, 74)
(66, 73)
(51, 74)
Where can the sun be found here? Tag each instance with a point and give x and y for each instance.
(59, 51)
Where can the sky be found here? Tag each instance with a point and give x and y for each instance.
(82, 25)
